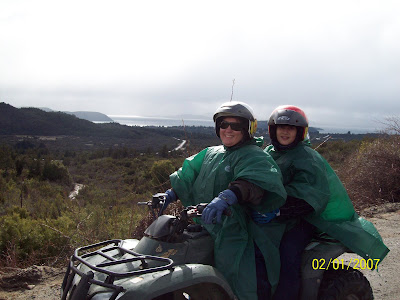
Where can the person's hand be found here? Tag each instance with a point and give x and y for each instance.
(217, 206)
(170, 197)
(264, 218)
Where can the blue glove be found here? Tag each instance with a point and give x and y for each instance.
(170, 197)
(217, 206)
(264, 218)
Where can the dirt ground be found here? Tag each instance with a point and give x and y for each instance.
(385, 282)
(44, 282)
(36, 282)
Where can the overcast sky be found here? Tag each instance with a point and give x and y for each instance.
(338, 60)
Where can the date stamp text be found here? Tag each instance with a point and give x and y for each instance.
(336, 264)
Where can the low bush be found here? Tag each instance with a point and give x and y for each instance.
(25, 241)
(160, 172)
(56, 171)
(372, 174)
(336, 152)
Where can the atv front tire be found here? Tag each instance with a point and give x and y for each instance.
(343, 284)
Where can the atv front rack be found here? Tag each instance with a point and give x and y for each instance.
(80, 291)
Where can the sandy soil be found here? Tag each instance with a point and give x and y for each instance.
(33, 283)
(45, 282)
(385, 282)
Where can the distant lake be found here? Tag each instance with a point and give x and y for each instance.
(159, 121)
(168, 122)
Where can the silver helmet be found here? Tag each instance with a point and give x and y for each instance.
(236, 109)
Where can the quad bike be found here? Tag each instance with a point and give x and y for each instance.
(174, 260)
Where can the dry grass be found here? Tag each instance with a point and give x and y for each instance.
(372, 174)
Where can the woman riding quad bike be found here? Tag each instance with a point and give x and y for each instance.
(175, 260)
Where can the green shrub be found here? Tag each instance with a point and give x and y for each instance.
(6, 158)
(56, 171)
(24, 240)
(160, 172)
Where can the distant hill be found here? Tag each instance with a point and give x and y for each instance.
(91, 116)
(35, 121)
(86, 115)
(70, 132)
(74, 132)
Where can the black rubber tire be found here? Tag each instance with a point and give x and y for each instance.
(344, 284)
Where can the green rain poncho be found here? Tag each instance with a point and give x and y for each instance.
(203, 176)
(308, 176)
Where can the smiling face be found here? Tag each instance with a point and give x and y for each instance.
(286, 134)
(230, 137)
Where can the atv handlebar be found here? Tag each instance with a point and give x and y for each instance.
(156, 204)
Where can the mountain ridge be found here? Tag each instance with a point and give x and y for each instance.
(73, 132)
(93, 116)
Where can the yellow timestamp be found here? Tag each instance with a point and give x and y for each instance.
(336, 264)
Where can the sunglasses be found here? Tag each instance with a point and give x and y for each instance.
(234, 126)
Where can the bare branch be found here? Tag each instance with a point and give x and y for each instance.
(392, 124)
(323, 142)
(56, 230)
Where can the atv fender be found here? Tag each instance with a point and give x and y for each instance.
(311, 277)
(188, 278)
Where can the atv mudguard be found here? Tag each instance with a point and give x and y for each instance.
(184, 278)
(325, 253)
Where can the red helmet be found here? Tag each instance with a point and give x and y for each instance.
(288, 115)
